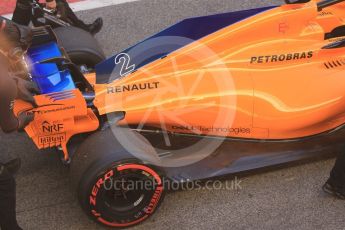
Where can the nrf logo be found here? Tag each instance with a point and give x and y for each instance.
(51, 128)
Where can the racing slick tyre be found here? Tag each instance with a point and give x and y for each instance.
(81, 47)
(113, 187)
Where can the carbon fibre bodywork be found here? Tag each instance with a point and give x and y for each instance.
(236, 155)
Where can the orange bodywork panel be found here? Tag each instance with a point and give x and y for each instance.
(91, 77)
(58, 117)
(265, 77)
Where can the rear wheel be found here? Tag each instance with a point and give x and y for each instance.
(81, 47)
(123, 195)
(113, 187)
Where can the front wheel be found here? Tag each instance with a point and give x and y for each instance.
(81, 47)
(122, 195)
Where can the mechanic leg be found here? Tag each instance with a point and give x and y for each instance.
(92, 28)
(8, 219)
(337, 177)
(22, 12)
(72, 17)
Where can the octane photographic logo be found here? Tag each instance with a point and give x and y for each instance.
(172, 89)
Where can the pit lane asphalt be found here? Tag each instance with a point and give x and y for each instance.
(288, 198)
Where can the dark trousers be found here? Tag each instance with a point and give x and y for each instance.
(338, 172)
(71, 16)
(8, 219)
(23, 15)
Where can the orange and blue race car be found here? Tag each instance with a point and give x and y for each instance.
(206, 97)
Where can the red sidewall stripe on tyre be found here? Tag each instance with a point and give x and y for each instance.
(142, 167)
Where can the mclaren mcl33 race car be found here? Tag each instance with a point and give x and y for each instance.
(206, 97)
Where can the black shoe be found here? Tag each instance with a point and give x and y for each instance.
(96, 26)
(334, 190)
(13, 166)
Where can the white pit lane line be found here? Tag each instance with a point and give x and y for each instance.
(94, 4)
(89, 5)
